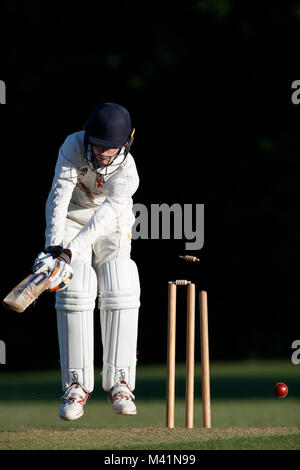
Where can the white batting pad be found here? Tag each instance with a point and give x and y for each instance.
(75, 322)
(119, 306)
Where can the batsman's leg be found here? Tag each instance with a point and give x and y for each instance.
(119, 308)
(75, 321)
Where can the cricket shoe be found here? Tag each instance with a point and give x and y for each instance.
(75, 397)
(122, 399)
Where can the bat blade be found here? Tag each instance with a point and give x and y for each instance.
(21, 296)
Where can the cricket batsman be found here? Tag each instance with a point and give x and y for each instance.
(89, 220)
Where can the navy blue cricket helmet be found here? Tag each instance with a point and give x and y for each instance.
(109, 125)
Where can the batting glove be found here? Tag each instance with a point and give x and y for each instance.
(60, 276)
(55, 261)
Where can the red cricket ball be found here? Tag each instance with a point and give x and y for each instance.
(281, 390)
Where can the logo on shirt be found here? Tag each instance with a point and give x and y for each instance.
(99, 181)
(83, 171)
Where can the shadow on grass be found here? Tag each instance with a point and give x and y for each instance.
(154, 388)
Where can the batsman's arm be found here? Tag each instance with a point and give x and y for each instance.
(64, 181)
(119, 200)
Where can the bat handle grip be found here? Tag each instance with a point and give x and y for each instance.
(36, 267)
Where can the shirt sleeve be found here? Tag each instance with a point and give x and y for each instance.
(121, 188)
(64, 181)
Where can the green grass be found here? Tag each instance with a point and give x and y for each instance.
(245, 414)
(154, 439)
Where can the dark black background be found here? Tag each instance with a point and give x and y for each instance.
(208, 86)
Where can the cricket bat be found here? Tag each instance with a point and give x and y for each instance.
(27, 292)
